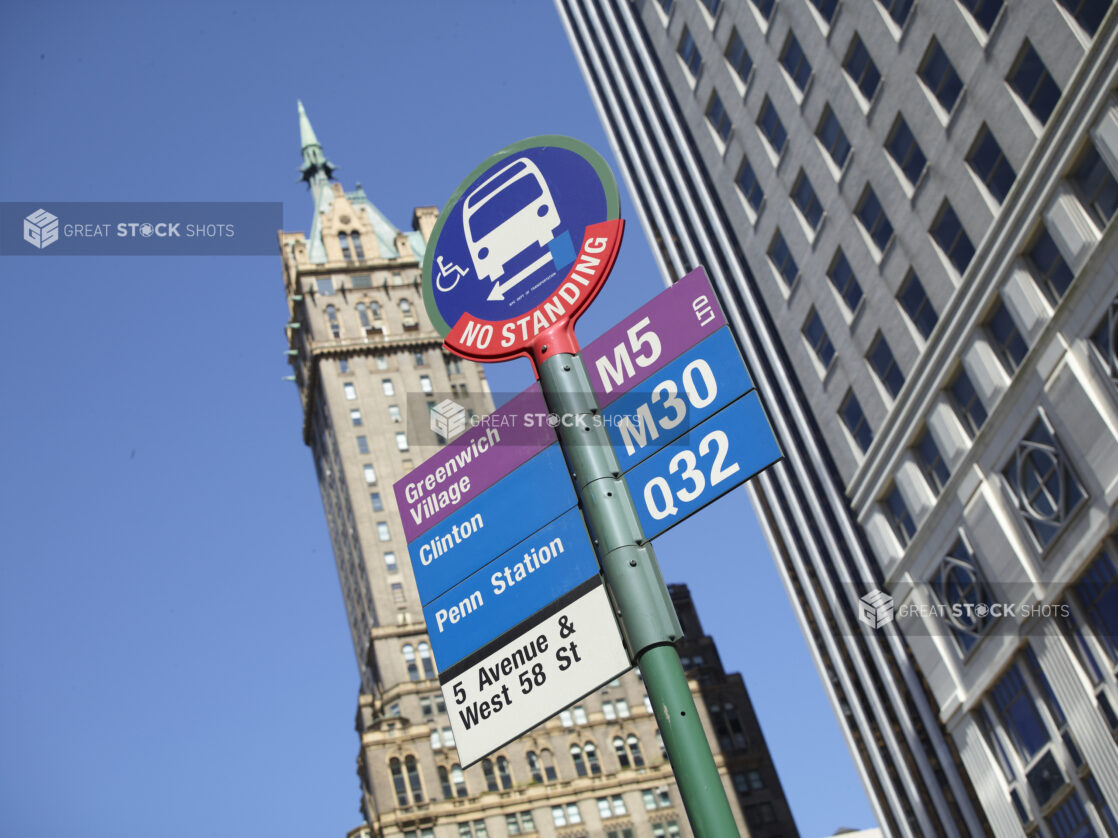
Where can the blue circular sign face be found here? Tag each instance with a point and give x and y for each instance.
(509, 235)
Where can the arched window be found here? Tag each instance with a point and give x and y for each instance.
(591, 752)
(409, 661)
(357, 248)
(576, 757)
(374, 307)
(444, 783)
(397, 772)
(458, 779)
(332, 317)
(619, 749)
(490, 777)
(425, 659)
(343, 240)
(534, 767)
(405, 306)
(363, 316)
(503, 773)
(635, 751)
(548, 762)
(412, 768)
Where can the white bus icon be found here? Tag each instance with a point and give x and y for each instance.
(507, 213)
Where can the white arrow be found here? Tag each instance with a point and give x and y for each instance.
(499, 288)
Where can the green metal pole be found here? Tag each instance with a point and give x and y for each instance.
(644, 607)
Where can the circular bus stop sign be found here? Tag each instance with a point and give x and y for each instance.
(521, 249)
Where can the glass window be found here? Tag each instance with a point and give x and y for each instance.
(378, 504)
(362, 443)
(1044, 486)
(845, 283)
(332, 317)
(1049, 268)
(916, 304)
(343, 365)
(988, 161)
(1069, 819)
(718, 118)
(343, 240)
(931, 462)
(1105, 340)
(361, 281)
(1017, 710)
(355, 238)
(793, 60)
(397, 592)
(881, 360)
(831, 136)
(765, 8)
(579, 713)
(1097, 591)
(781, 258)
(397, 771)
(940, 77)
(968, 406)
(591, 752)
(370, 472)
(394, 412)
(738, 58)
(401, 441)
(355, 418)
(1002, 332)
(619, 749)
(749, 186)
(1087, 13)
(534, 767)
(622, 708)
(855, 420)
(503, 773)
(861, 69)
(958, 584)
(897, 9)
(872, 215)
(635, 750)
(896, 510)
(388, 387)
(608, 711)
(984, 12)
(772, 129)
(390, 562)
(816, 336)
(689, 52)
(409, 661)
(382, 362)
(382, 531)
(579, 762)
(953, 240)
(826, 9)
(905, 151)
(1096, 186)
(803, 195)
(325, 285)
(350, 391)
(425, 384)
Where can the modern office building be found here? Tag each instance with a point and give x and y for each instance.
(369, 367)
(907, 210)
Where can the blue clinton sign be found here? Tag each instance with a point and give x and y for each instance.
(510, 589)
(720, 454)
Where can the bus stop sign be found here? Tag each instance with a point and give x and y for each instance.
(521, 249)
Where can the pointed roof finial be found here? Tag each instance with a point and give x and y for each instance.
(315, 164)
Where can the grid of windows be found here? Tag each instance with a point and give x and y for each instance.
(689, 52)
(768, 121)
(563, 815)
(855, 420)
(1005, 338)
(905, 151)
(781, 257)
(968, 406)
(1096, 186)
(984, 12)
(937, 72)
(988, 161)
(750, 187)
(881, 360)
(738, 57)
(896, 511)
(842, 278)
(861, 69)
(1049, 268)
(718, 118)
(948, 232)
(832, 137)
(916, 304)
(872, 215)
(793, 59)
(807, 201)
(815, 333)
(658, 798)
(931, 462)
(612, 807)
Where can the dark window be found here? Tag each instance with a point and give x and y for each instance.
(1105, 340)
(1005, 338)
(1034, 84)
(968, 407)
(357, 247)
(360, 281)
(718, 118)
(782, 259)
(897, 9)
(803, 194)
(1043, 484)
(872, 216)
(952, 238)
(958, 584)
(940, 77)
(793, 60)
(689, 52)
(412, 768)
(750, 188)
(666, 5)
(931, 462)
(916, 304)
(343, 240)
(904, 149)
(397, 772)
(984, 12)
(738, 57)
(833, 138)
(815, 333)
(771, 126)
(1097, 590)
(861, 69)
(1096, 185)
(826, 8)
(503, 773)
(712, 5)
(855, 420)
(1017, 710)
(765, 7)
(988, 161)
(1069, 819)
(842, 278)
(1087, 13)
(362, 445)
(490, 775)
(1048, 266)
(896, 510)
(880, 358)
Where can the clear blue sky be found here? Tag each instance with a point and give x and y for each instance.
(174, 656)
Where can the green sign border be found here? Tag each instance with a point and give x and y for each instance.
(605, 175)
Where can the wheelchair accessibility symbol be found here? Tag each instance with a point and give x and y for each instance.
(447, 269)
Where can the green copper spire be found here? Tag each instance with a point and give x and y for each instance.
(315, 163)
